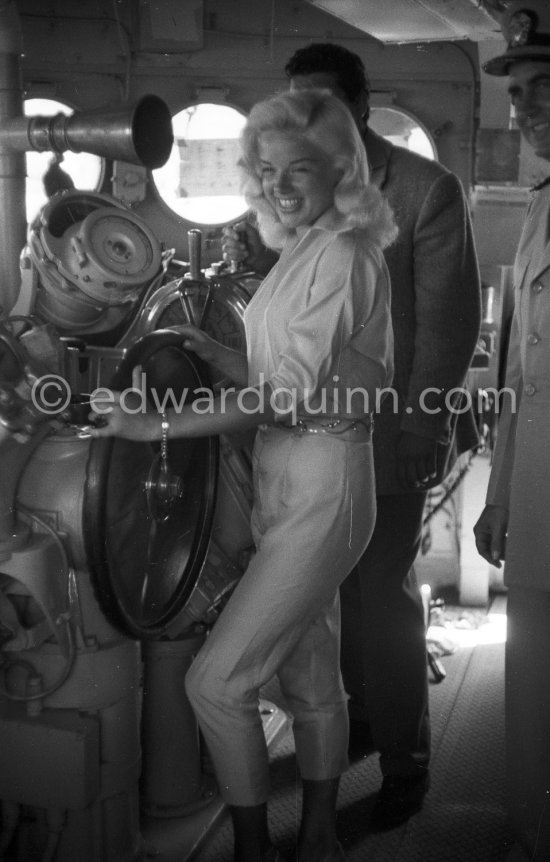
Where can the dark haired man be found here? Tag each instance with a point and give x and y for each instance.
(436, 316)
(515, 522)
(345, 69)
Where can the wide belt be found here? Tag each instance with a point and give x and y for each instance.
(344, 428)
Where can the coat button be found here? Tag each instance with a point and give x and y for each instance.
(537, 287)
(529, 389)
(533, 338)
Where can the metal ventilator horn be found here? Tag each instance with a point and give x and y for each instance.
(140, 133)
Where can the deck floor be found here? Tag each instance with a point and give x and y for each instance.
(464, 818)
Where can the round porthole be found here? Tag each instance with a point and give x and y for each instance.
(403, 130)
(200, 181)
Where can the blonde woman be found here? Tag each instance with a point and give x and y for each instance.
(319, 351)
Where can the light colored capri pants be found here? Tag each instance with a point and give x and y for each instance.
(313, 516)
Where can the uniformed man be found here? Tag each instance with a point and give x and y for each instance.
(515, 524)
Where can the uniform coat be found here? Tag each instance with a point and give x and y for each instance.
(436, 305)
(520, 478)
(520, 481)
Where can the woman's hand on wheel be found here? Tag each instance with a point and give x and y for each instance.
(124, 414)
(197, 341)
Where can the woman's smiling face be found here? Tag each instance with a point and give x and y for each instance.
(298, 179)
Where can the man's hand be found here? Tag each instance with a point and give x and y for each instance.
(416, 460)
(490, 533)
(241, 243)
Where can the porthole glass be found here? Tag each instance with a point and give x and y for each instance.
(200, 181)
(84, 169)
(403, 130)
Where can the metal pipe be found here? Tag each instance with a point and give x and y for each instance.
(13, 222)
(171, 779)
(140, 133)
(14, 533)
(194, 238)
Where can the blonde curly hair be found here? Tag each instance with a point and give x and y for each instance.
(324, 121)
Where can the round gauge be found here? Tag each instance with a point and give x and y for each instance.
(216, 305)
(222, 318)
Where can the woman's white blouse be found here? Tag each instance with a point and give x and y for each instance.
(318, 329)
